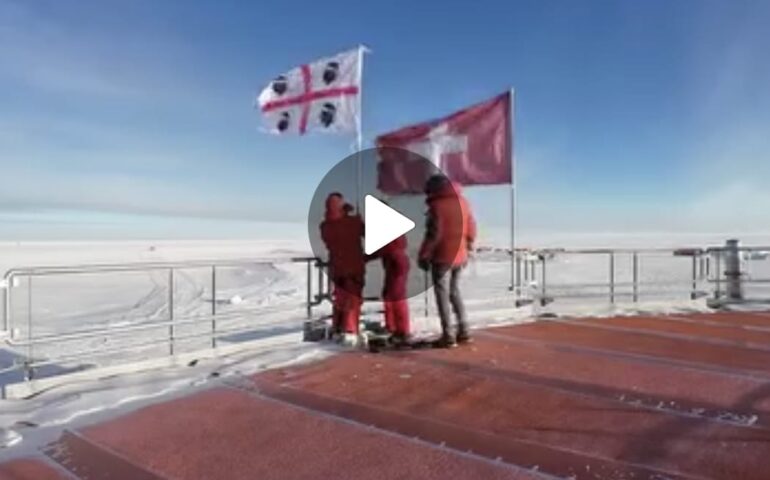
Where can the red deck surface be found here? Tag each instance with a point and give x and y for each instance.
(621, 398)
(30, 469)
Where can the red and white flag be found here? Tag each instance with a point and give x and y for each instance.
(472, 147)
(321, 96)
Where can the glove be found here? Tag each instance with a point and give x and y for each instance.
(424, 264)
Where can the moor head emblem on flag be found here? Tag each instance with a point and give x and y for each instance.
(321, 96)
(280, 85)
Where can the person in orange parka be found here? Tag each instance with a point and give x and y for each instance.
(450, 233)
(395, 262)
(342, 234)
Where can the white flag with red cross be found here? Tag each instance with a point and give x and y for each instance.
(319, 96)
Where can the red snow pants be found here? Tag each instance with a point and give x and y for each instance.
(348, 292)
(394, 294)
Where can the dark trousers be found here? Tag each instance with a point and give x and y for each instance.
(446, 285)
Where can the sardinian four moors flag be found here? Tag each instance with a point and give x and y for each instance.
(472, 147)
(317, 96)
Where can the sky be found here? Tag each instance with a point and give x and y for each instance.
(135, 119)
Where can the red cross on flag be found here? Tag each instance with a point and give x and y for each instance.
(322, 96)
(472, 147)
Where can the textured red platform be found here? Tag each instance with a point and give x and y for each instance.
(722, 332)
(632, 381)
(629, 398)
(570, 431)
(30, 469)
(749, 319)
(693, 351)
(234, 435)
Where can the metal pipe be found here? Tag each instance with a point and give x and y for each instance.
(321, 283)
(425, 292)
(30, 372)
(213, 306)
(636, 276)
(309, 304)
(618, 285)
(733, 270)
(612, 278)
(147, 266)
(142, 326)
(718, 268)
(139, 346)
(171, 310)
(708, 266)
(7, 304)
(543, 287)
(532, 272)
(518, 275)
(694, 293)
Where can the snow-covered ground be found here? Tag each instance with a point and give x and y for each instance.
(266, 299)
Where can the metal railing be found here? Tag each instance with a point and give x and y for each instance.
(740, 274)
(721, 273)
(547, 275)
(540, 276)
(24, 335)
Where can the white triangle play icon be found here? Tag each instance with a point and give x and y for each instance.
(383, 224)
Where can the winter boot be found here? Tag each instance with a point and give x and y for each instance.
(446, 341)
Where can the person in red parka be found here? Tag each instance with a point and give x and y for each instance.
(342, 234)
(395, 262)
(450, 233)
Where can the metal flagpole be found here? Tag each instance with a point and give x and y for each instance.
(511, 136)
(359, 130)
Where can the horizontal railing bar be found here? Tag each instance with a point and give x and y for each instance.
(148, 266)
(134, 347)
(203, 318)
(740, 249)
(619, 284)
(648, 293)
(744, 281)
(607, 251)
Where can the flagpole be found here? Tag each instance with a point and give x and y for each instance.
(359, 128)
(514, 279)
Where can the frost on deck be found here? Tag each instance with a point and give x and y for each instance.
(129, 299)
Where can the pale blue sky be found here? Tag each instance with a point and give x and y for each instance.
(632, 116)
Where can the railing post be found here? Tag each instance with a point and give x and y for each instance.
(329, 283)
(543, 287)
(309, 289)
(171, 310)
(29, 369)
(694, 293)
(733, 270)
(319, 297)
(612, 277)
(425, 293)
(531, 270)
(213, 306)
(518, 274)
(7, 305)
(718, 270)
(636, 276)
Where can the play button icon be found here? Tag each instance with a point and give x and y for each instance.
(382, 225)
(355, 217)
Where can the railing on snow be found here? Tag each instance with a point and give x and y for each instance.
(724, 274)
(538, 278)
(21, 332)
